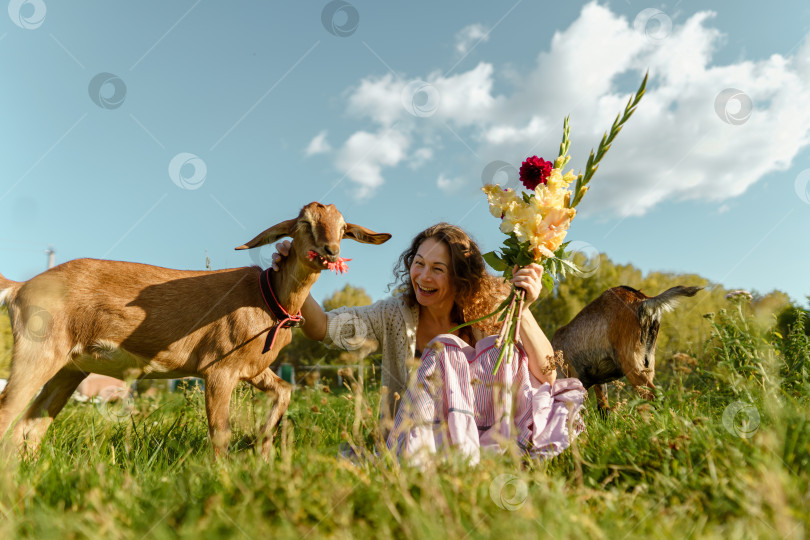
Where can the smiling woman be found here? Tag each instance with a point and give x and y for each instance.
(440, 391)
(443, 273)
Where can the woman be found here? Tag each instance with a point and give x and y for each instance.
(453, 398)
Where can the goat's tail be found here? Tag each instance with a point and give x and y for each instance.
(667, 300)
(6, 288)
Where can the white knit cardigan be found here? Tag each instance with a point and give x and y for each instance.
(392, 324)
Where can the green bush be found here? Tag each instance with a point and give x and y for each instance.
(795, 352)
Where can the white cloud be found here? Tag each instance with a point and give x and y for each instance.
(420, 157)
(465, 98)
(364, 155)
(469, 36)
(448, 184)
(377, 98)
(675, 147)
(318, 145)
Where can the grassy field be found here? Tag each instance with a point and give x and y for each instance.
(723, 452)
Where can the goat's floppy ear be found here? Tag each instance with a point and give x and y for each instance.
(285, 228)
(366, 236)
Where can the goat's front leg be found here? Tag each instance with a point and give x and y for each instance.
(275, 387)
(602, 403)
(218, 390)
(53, 397)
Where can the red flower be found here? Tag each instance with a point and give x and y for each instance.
(339, 267)
(535, 171)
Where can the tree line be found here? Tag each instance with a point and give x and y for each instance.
(684, 331)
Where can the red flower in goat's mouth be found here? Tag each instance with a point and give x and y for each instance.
(339, 266)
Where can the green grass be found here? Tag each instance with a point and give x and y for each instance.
(670, 468)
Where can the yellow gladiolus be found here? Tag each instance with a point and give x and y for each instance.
(543, 221)
(569, 177)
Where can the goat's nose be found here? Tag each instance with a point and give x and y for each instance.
(332, 250)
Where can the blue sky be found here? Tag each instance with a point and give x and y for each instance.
(391, 111)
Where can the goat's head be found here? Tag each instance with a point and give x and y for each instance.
(640, 331)
(633, 333)
(318, 228)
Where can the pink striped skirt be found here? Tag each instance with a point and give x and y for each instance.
(454, 401)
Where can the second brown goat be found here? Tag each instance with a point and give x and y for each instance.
(615, 336)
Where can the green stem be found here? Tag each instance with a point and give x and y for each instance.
(522, 296)
(497, 310)
(566, 142)
(507, 318)
(505, 345)
(607, 140)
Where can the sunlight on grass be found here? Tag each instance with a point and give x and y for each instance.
(724, 451)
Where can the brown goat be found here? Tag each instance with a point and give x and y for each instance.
(615, 336)
(129, 320)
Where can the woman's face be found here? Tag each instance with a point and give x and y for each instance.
(430, 275)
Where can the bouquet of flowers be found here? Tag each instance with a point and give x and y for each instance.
(537, 221)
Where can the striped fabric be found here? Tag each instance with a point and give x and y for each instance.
(454, 400)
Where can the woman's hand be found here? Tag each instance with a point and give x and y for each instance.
(282, 250)
(529, 278)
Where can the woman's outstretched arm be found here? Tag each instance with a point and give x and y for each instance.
(314, 319)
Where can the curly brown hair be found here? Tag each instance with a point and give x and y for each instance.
(477, 291)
